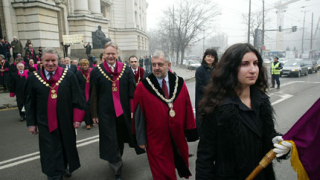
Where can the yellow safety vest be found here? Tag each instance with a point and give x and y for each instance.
(274, 70)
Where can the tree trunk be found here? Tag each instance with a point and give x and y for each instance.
(182, 56)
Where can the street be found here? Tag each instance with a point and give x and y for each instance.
(19, 151)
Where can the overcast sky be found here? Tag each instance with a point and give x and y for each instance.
(230, 22)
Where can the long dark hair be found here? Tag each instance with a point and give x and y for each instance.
(212, 52)
(225, 77)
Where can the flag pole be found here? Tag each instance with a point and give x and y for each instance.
(267, 159)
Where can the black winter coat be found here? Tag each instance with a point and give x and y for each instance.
(235, 138)
(203, 76)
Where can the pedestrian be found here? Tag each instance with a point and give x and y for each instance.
(8, 47)
(141, 62)
(32, 67)
(111, 90)
(16, 47)
(54, 107)
(17, 88)
(4, 73)
(147, 63)
(65, 49)
(203, 76)
(138, 71)
(3, 48)
(164, 120)
(275, 72)
(83, 76)
(70, 66)
(237, 127)
(27, 45)
(88, 49)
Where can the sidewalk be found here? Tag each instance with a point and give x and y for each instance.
(8, 102)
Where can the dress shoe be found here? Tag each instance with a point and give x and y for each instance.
(88, 127)
(21, 118)
(67, 174)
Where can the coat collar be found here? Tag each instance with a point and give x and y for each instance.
(257, 97)
(154, 81)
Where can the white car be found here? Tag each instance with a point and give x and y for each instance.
(193, 64)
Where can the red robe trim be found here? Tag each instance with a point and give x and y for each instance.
(165, 133)
(140, 74)
(87, 88)
(115, 94)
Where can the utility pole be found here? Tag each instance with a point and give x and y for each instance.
(311, 32)
(249, 19)
(304, 20)
(262, 23)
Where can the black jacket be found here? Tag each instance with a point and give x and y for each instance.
(203, 76)
(235, 138)
(73, 68)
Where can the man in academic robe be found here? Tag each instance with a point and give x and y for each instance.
(164, 120)
(17, 88)
(111, 89)
(138, 72)
(83, 76)
(70, 66)
(54, 107)
(4, 73)
(32, 67)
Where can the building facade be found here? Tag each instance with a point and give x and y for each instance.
(44, 22)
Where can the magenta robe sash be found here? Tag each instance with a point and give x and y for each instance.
(115, 94)
(87, 88)
(52, 103)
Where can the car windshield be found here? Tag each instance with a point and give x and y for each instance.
(292, 63)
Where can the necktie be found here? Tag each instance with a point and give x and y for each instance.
(51, 78)
(135, 72)
(112, 68)
(165, 89)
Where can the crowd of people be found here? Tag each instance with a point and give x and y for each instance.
(148, 108)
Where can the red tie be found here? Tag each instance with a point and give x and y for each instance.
(51, 78)
(165, 89)
(135, 72)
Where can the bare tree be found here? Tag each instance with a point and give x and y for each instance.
(256, 21)
(184, 23)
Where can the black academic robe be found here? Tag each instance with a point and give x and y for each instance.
(4, 76)
(73, 68)
(57, 148)
(101, 86)
(82, 83)
(17, 88)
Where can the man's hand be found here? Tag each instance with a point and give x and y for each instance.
(95, 120)
(143, 146)
(33, 130)
(76, 124)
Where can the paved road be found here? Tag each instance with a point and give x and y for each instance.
(19, 158)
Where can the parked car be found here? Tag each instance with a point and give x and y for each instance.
(283, 60)
(318, 62)
(296, 68)
(312, 66)
(193, 65)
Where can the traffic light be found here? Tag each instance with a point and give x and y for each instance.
(280, 29)
(294, 28)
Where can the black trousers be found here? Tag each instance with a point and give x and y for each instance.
(276, 77)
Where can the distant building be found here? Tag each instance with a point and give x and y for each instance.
(45, 21)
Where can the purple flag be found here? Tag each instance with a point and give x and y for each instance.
(305, 133)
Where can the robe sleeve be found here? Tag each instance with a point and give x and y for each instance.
(138, 124)
(31, 102)
(191, 131)
(206, 150)
(78, 100)
(12, 87)
(93, 95)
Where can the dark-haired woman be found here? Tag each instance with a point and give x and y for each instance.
(203, 76)
(237, 119)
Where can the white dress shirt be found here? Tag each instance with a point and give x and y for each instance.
(167, 82)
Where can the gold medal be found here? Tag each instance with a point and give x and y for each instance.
(114, 84)
(54, 96)
(53, 91)
(172, 113)
(114, 89)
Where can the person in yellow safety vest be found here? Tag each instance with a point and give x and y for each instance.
(275, 72)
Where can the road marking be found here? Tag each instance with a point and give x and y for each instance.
(80, 143)
(7, 109)
(283, 97)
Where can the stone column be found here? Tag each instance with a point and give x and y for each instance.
(95, 8)
(81, 7)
